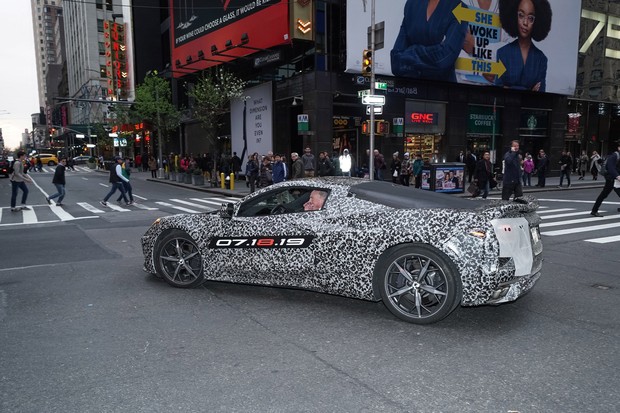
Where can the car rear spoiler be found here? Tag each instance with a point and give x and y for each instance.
(523, 205)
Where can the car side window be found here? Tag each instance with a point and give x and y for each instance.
(286, 201)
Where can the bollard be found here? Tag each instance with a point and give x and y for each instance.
(222, 183)
(232, 181)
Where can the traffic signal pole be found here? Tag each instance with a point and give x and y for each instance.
(371, 157)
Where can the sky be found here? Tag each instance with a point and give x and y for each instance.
(18, 78)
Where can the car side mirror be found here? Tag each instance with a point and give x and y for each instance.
(227, 210)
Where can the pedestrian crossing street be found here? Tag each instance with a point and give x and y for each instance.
(42, 214)
(578, 222)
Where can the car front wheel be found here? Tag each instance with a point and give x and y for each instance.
(418, 283)
(178, 260)
(51, 163)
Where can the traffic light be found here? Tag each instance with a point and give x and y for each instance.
(382, 127)
(367, 62)
(366, 127)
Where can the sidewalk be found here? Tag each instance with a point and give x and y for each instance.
(242, 190)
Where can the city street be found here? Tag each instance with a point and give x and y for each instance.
(84, 329)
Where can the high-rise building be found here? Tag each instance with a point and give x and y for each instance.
(48, 41)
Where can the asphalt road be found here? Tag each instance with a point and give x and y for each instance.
(84, 329)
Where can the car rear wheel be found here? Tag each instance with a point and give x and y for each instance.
(418, 283)
(51, 163)
(178, 260)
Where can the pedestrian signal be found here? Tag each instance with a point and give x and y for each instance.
(367, 62)
(366, 127)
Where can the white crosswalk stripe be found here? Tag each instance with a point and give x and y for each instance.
(166, 204)
(572, 222)
(42, 214)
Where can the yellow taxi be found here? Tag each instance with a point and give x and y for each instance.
(46, 159)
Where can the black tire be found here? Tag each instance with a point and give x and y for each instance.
(51, 163)
(418, 283)
(178, 260)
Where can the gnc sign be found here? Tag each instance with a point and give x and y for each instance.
(425, 118)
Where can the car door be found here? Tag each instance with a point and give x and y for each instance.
(267, 243)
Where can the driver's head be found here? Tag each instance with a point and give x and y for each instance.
(316, 201)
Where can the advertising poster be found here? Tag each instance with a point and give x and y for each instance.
(472, 42)
(426, 179)
(251, 124)
(449, 179)
(201, 25)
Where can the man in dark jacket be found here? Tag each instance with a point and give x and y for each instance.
(278, 174)
(566, 166)
(541, 166)
(512, 173)
(297, 169)
(326, 168)
(612, 180)
(59, 181)
(483, 175)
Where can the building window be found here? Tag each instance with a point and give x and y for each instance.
(99, 4)
(102, 71)
(108, 5)
(100, 25)
(101, 48)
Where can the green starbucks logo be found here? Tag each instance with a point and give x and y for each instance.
(531, 122)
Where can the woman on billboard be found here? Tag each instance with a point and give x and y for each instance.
(429, 40)
(526, 64)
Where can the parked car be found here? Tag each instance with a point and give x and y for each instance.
(46, 159)
(81, 160)
(422, 253)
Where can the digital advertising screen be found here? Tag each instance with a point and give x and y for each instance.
(505, 43)
(200, 25)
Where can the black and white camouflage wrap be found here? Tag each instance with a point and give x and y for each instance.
(351, 234)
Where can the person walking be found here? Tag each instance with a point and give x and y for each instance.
(277, 171)
(512, 173)
(379, 164)
(405, 170)
(152, 163)
(297, 168)
(470, 161)
(345, 163)
(595, 165)
(19, 179)
(70, 164)
(612, 180)
(528, 168)
(541, 166)
(395, 166)
(416, 170)
(116, 177)
(483, 175)
(308, 160)
(584, 162)
(126, 171)
(566, 164)
(251, 172)
(59, 181)
(326, 168)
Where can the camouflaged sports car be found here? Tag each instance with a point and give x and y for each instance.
(419, 252)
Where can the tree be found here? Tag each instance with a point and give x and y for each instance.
(212, 94)
(153, 104)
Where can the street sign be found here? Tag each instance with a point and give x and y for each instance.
(303, 124)
(378, 100)
(378, 110)
(381, 85)
(361, 93)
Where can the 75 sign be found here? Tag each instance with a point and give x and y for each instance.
(612, 23)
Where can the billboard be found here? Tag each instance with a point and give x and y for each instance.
(466, 42)
(197, 26)
(251, 123)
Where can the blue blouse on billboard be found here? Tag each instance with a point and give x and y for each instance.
(519, 75)
(428, 49)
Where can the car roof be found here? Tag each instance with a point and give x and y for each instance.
(405, 197)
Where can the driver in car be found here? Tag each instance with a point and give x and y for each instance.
(316, 201)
